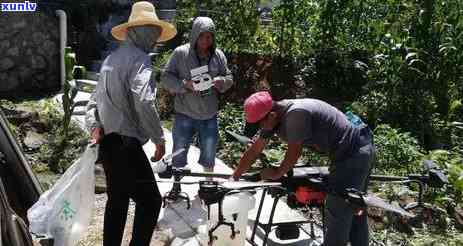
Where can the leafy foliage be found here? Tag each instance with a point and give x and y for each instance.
(49, 124)
(407, 53)
(164, 100)
(236, 21)
(398, 64)
(230, 118)
(397, 152)
(69, 93)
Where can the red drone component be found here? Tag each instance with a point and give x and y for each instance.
(308, 195)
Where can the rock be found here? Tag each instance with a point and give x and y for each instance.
(6, 64)
(13, 51)
(19, 24)
(12, 82)
(24, 73)
(3, 78)
(40, 77)
(48, 47)
(5, 44)
(34, 140)
(8, 81)
(18, 117)
(185, 242)
(38, 62)
(162, 237)
(100, 180)
(38, 37)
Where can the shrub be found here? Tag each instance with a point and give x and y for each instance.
(164, 99)
(397, 152)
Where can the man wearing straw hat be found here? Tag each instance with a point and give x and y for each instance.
(121, 118)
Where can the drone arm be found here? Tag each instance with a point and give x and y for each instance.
(250, 156)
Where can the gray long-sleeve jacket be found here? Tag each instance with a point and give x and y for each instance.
(182, 61)
(123, 101)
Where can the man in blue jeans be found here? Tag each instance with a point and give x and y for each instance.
(196, 109)
(315, 124)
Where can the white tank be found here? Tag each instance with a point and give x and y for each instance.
(235, 209)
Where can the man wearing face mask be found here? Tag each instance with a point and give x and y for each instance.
(121, 118)
(196, 110)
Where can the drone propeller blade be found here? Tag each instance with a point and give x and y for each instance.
(429, 164)
(169, 157)
(374, 201)
(176, 153)
(437, 178)
(240, 138)
(170, 182)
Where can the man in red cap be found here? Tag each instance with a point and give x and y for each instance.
(320, 126)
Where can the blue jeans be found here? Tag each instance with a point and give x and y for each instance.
(341, 223)
(183, 132)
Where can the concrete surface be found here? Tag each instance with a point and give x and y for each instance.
(184, 223)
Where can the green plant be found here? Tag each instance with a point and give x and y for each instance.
(164, 99)
(230, 118)
(236, 21)
(69, 93)
(69, 88)
(397, 152)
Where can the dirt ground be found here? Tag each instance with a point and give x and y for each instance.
(94, 236)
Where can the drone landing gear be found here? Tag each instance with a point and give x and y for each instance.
(210, 193)
(176, 195)
(284, 230)
(221, 222)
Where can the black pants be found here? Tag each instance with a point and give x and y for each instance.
(125, 164)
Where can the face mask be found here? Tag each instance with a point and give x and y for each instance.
(143, 37)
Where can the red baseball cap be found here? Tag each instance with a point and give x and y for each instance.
(257, 106)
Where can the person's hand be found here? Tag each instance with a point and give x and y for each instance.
(97, 135)
(189, 84)
(270, 174)
(160, 151)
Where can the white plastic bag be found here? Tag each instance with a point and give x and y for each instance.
(64, 211)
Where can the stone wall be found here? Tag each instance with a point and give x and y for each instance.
(29, 42)
(29, 54)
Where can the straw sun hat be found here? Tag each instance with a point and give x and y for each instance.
(143, 14)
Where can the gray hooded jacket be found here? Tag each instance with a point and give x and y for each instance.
(123, 101)
(182, 61)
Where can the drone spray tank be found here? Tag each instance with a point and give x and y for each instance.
(227, 218)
